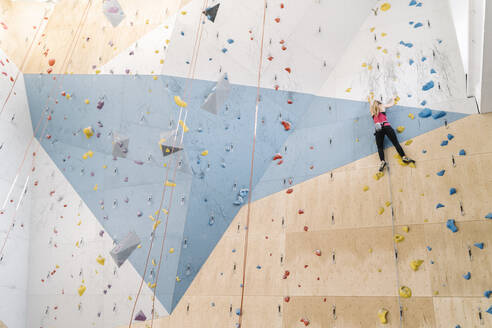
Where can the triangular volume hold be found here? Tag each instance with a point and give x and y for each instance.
(211, 12)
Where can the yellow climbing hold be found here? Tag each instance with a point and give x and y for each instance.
(405, 292)
(381, 210)
(90, 153)
(183, 12)
(372, 29)
(388, 203)
(95, 187)
(415, 264)
(378, 175)
(152, 286)
(180, 102)
(156, 224)
(177, 279)
(411, 116)
(170, 183)
(382, 313)
(105, 166)
(412, 165)
(366, 188)
(370, 250)
(204, 153)
(84, 156)
(82, 290)
(139, 246)
(183, 125)
(385, 6)
(398, 238)
(98, 71)
(154, 77)
(385, 51)
(384, 34)
(88, 132)
(100, 260)
(405, 228)
(87, 101)
(400, 129)
(171, 250)
(408, 142)
(348, 90)
(153, 262)
(165, 211)
(364, 65)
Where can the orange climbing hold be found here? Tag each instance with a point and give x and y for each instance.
(270, 58)
(51, 62)
(288, 70)
(289, 191)
(286, 125)
(277, 19)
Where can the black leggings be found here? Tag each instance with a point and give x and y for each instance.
(387, 130)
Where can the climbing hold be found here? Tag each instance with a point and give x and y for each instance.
(317, 252)
(366, 188)
(140, 316)
(388, 203)
(88, 132)
(385, 6)
(467, 276)
(405, 228)
(286, 125)
(398, 238)
(462, 152)
(381, 210)
(450, 224)
(400, 129)
(286, 299)
(408, 142)
(382, 313)
(125, 248)
(348, 90)
(183, 125)
(204, 153)
(378, 175)
(424, 113)
(405, 292)
(180, 102)
(408, 45)
(288, 70)
(429, 85)
(452, 191)
(306, 321)
(415, 264)
(487, 293)
(450, 136)
(439, 205)
(441, 173)
(51, 62)
(87, 101)
(277, 20)
(170, 183)
(489, 216)
(82, 290)
(171, 250)
(211, 12)
(479, 245)
(489, 310)
(100, 260)
(438, 115)
(444, 143)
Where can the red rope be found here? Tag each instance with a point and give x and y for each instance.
(248, 216)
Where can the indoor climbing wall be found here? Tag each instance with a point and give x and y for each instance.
(143, 119)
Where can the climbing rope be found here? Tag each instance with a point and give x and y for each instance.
(191, 73)
(248, 216)
(44, 118)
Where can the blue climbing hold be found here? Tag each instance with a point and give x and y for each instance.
(444, 143)
(418, 25)
(258, 267)
(182, 33)
(438, 115)
(487, 293)
(238, 311)
(431, 262)
(439, 205)
(489, 310)
(424, 59)
(413, 3)
(429, 85)
(419, 4)
(441, 173)
(489, 216)
(423, 103)
(424, 151)
(230, 41)
(462, 152)
(450, 136)
(224, 50)
(451, 225)
(467, 276)
(411, 61)
(424, 113)
(452, 191)
(408, 45)
(410, 22)
(429, 248)
(433, 71)
(234, 251)
(479, 245)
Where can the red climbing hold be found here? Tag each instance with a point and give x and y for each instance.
(306, 228)
(300, 211)
(280, 162)
(277, 19)
(305, 322)
(270, 58)
(288, 69)
(282, 5)
(282, 41)
(276, 87)
(287, 299)
(289, 101)
(286, 274)
(284, 48)
(277, 156)
(49, 70)
(51, 62)
(289, 191)
(286, 125)
(317, 252)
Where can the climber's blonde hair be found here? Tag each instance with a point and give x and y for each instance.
(375, 107)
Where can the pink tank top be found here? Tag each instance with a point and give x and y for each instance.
(380, 118)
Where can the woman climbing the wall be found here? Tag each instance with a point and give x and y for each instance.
(383, 128)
